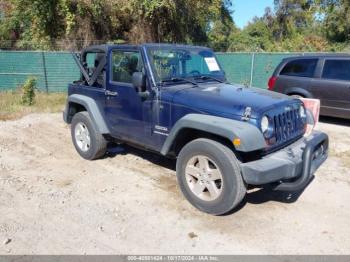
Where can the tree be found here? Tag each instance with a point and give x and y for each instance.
(255, 37)
(45, 23)
(181, 21)
(34, 22)
(293, 17)
(337, 20)
(291, 27)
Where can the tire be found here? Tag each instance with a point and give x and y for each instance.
(216, 198)
(89, 143)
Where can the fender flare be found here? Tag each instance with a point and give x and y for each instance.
(298, 90)
(250, 136)
(91, 108)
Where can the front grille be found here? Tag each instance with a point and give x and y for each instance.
(287, 126)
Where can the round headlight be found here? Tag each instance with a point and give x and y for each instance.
(264, 124)
(302, 112)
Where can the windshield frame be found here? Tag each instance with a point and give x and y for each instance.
(161, 82)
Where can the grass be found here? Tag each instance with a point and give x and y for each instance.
(11, 107)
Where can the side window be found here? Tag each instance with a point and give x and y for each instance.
(336, 69)
(90, 60)
(124, 64)
(300, 67)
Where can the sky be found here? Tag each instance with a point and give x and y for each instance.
(245, 10)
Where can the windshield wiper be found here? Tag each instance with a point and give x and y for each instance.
(177, 79)
(209, 77)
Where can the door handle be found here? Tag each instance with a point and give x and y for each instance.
(111, 93)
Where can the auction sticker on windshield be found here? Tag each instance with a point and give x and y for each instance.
(212, 64)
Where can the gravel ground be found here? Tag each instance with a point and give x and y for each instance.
(54, 202)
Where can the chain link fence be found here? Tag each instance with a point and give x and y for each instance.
(54, 70)
(251, 69)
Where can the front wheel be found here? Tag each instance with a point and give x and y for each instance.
(209, 176)
(89, 143)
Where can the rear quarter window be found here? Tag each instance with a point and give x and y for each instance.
(336, 69)
(300, 67)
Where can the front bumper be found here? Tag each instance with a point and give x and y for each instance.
(296, 162)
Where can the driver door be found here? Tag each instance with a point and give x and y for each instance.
(124, 107)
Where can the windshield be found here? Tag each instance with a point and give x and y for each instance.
(184, 63)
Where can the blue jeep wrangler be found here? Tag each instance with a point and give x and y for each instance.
(175, 100)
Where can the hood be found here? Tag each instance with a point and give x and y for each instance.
(229, 100)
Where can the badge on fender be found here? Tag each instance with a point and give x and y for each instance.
(247, 114)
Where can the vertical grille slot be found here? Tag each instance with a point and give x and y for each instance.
(287, 125)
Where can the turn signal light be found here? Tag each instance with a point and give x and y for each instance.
(237, 142)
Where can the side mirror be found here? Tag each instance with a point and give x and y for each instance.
(139, 81)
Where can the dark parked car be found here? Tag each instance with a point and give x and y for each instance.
(325, 77)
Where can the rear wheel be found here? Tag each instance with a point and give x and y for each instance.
(89, 143)
(209, 176)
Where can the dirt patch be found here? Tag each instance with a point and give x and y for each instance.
(54, 202)
(344, 157)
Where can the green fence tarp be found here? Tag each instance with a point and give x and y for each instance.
(55, 70)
